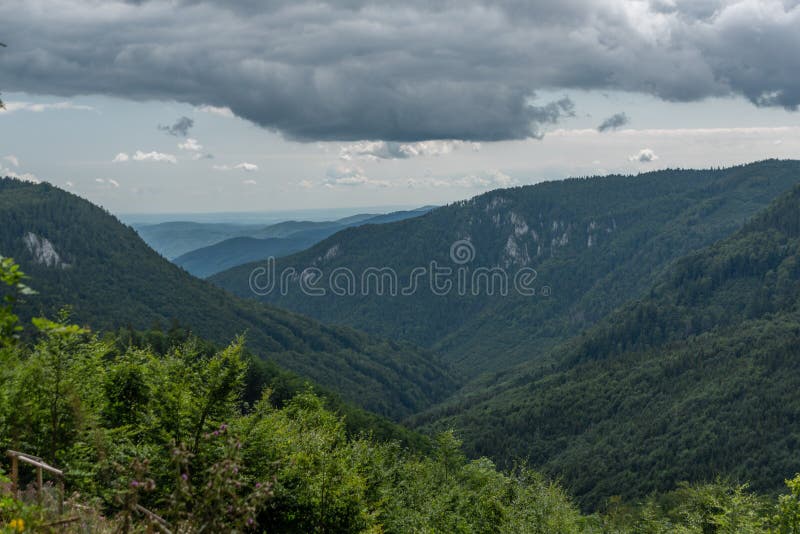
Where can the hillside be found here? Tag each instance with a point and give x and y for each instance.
(172, 448)
(78, 255)
(594, 243)
(698, 378)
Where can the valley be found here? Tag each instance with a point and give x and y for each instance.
(368, 267)
(671, 327)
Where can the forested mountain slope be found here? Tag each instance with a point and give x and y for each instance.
(594, 243)
(137, 430)
(78, 255)
(698, 378)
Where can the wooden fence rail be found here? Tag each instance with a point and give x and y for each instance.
(41, 467)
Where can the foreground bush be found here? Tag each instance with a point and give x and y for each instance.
(151, 441)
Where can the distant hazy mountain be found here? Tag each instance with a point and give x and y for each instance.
(594, 243)
(262, 218)
(171, 239)
(209, 260)
(176, 238)
(78, 255)
(289, 228)
(276, 240)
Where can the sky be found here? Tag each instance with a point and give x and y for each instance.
(153, 106)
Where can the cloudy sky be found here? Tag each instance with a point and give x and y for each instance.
(226, 105)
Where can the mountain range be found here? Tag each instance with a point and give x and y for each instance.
(659, 344)
(594, 243)
(251, 244)
(177, 240)
(79, 256)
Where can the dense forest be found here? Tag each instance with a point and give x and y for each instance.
(697, 378)
(167, 441)
(84, 258)
(694, 373)
(173, 433)
(594, 242)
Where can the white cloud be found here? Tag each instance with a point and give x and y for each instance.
(25, 177)
(484, 180)
(192, 145)
(377, 150)
(490, 179)
(13, 159)
(69, 184)
(347, 175)
(122, 157)
(154, 156)
(244, 166)
(109, 181)
(306, 184)
(645, 155)
(433, 148)
(247, 167)
(366, 150)
(219, 111)
(249, 182)
(682, 132)
(11, 107)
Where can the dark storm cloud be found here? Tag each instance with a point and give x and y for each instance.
(180, 128)
(402, 71)
(615, 121)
